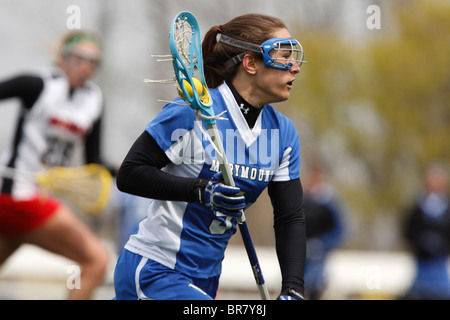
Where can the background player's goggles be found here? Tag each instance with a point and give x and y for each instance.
(279, 53)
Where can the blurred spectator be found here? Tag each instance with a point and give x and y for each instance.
(325, 227)
(427, 230)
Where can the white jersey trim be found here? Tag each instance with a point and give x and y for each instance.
(282, 174)
(139, 292)
(248, 135)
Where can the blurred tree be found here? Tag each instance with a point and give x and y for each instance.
(379, 107)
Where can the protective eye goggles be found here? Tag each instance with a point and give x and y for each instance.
(288, 52)
(78, 56)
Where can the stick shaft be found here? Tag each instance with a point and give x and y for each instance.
(243, 228)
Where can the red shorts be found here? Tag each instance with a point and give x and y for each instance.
(20, 217)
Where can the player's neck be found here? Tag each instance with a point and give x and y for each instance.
(249, 112)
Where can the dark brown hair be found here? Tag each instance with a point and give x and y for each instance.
(253, 28)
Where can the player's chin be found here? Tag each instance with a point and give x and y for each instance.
(81, 80)
(285, 95)
(281, 94)
(77, 83)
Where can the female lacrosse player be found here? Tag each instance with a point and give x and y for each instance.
(59, 109)
(249, 62)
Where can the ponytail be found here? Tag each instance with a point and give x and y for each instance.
(213, 59)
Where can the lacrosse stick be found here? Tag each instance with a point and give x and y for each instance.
(87, 187)
(186, 51)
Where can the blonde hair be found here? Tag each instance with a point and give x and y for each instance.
(72, 38)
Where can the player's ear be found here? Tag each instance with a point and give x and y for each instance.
(249, 63)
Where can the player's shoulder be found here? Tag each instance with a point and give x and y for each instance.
(46, 74)
(277, 118)
(269, 109)
(93, 89)
(174, 114)
(178, 106)
(215, 92)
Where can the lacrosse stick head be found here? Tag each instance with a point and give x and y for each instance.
(186, 50)
(87, 187)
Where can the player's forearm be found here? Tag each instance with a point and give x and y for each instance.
(291, 252)
(290, 231)
(140, 174)
(151, 182)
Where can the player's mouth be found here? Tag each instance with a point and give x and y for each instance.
(289, 84)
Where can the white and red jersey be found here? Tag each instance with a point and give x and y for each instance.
(49, 127)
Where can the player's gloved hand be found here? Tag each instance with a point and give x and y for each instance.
(290, 294)
(223, 198)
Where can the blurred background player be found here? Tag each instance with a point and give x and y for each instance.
(178, 250)
(60, 109)
(326, 226)
(427, 230)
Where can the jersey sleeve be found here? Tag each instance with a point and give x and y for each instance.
(289, 168)
(171, 129)
(25, 87)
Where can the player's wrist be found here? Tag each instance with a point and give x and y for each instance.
(290, 292)
(198, 194)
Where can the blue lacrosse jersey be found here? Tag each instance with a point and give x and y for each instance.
(189, 237)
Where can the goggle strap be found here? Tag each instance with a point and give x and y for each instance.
(234, 61)
(238, 43)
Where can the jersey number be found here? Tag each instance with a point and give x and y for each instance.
(58, 152)
(221, 224)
